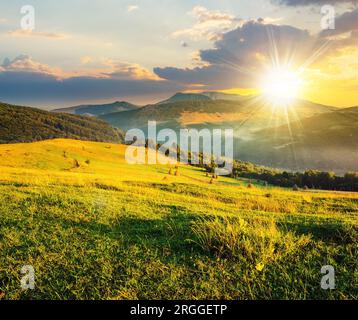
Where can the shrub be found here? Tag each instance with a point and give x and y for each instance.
(347, 233)
(267, 204)
(256, 241)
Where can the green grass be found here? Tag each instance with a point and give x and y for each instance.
(108, 230)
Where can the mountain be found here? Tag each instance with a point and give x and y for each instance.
(318, 136)
(178, 97)
(214, 95)
(244, 116)
(24, 124)
(349, 110)
(203, 96)
(99, 109)
(327, 141)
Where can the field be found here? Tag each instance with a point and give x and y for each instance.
(95, 227)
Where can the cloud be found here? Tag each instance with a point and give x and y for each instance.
(269, 20)
(312, 2)
(86, 60)
(106, 68)
(40, 89)
(132, 8)
(240, 55)
(125, 70)
(25, 81)
(30, 33)
(209, 24)
(24, 63)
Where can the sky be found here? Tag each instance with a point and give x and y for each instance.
(142, 51)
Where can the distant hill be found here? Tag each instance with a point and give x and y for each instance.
(245, 116)
(24, 124)
(203, 96)
(178, 97)
(326, 141)
(99, 109)
(318, 136)
(349, 110)
(213, 95)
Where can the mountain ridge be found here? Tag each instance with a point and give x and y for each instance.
(26, 124)
(326, 141)
(98, 109)
(248, 111)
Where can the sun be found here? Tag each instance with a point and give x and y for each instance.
(281, 86)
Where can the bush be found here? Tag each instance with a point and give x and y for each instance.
(258, 241)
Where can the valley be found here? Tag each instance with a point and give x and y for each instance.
(302, 136)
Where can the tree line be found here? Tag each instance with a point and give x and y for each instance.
(310, 179)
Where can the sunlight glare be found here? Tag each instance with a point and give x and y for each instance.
(281, 86)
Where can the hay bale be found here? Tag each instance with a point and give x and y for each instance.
(76, 163)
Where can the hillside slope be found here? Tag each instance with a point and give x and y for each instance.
(98, 228)
(24, 124)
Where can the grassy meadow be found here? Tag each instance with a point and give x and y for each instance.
(95, 227)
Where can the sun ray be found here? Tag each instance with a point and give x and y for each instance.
(281, 86)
